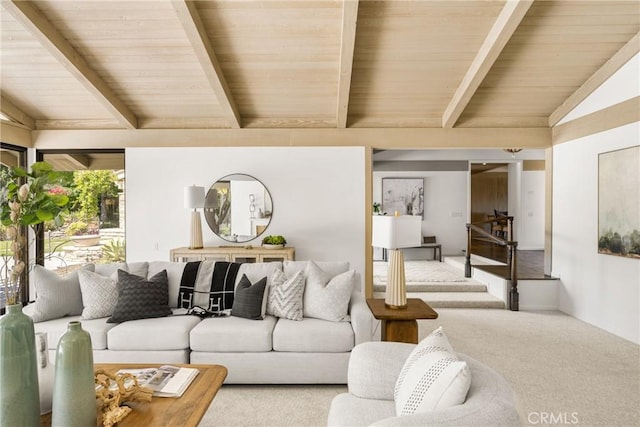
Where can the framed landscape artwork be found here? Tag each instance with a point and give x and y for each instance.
(404, 195)
(619, 203)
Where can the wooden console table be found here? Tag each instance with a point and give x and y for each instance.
(233, 254)
(400, 325)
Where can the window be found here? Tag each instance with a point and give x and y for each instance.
(94, 229)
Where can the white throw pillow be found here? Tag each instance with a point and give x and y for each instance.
(332, 268)
(56, 296)
(99, 294)
(327, 297)
(285, 295)
(432, 377)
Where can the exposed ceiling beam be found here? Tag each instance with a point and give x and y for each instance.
(9, 158)
(349, 22)
(80, 161)
(620, 114)
(628, 51)
(15, 133)
(197, 35)
(380, 138)
(10, 110)
(25, 13)
(506, 24)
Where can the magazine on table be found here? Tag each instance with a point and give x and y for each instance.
(165, 381)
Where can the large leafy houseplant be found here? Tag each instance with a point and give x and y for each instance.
(27, 199)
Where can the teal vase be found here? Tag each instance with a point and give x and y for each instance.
(19, 395)
(74, 396)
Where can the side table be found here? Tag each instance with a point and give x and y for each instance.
(401, 325)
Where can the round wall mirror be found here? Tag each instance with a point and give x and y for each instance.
(238, 208)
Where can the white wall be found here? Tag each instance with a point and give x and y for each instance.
(623, 85)
(318, 197)
(445, 205)
(603, 290)
(532, 201)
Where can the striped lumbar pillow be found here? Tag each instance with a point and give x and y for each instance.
(432, 377)
(285, 295)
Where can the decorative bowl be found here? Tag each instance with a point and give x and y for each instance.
(268, 246)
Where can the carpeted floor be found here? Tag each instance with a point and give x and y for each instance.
(561, 369)
(420, 272)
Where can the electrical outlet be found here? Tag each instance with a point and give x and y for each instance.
(156, 246)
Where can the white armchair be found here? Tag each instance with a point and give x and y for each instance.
(373, 370)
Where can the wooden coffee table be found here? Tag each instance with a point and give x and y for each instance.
(400, 324)
(183, 411)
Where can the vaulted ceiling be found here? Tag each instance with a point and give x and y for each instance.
(307, 64)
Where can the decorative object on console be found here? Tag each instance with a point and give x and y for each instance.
(74, 397)
(19, 395)
(274, 242)
(194, 199)
(394, 233)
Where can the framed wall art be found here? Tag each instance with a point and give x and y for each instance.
(404, 195)
(619, 203)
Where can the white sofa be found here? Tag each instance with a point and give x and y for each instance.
(273, 350)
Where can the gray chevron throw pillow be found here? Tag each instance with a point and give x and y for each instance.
(139, 298)
(285, 295)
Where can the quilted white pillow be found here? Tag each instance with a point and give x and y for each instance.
(432, 377)
(99, 294)
(327, 297)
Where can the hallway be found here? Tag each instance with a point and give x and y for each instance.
(530, 263)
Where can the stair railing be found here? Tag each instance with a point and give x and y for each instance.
(512, 259)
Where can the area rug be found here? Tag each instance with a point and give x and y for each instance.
(420, 273)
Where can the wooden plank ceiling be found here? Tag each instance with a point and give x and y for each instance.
(314, 64)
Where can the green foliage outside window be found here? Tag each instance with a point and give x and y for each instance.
(89, 187)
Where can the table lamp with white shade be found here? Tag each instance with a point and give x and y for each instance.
(394, 233)
(194, 199)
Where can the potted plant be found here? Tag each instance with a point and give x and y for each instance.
(27, 199)
(274, 242)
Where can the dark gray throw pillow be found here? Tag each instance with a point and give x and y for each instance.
(249, 301)
(139, 298)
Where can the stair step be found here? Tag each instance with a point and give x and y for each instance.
(469, 294)
(455, 299)
(469, 286)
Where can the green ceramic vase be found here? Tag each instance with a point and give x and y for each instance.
(74, 397)
(19, 395)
